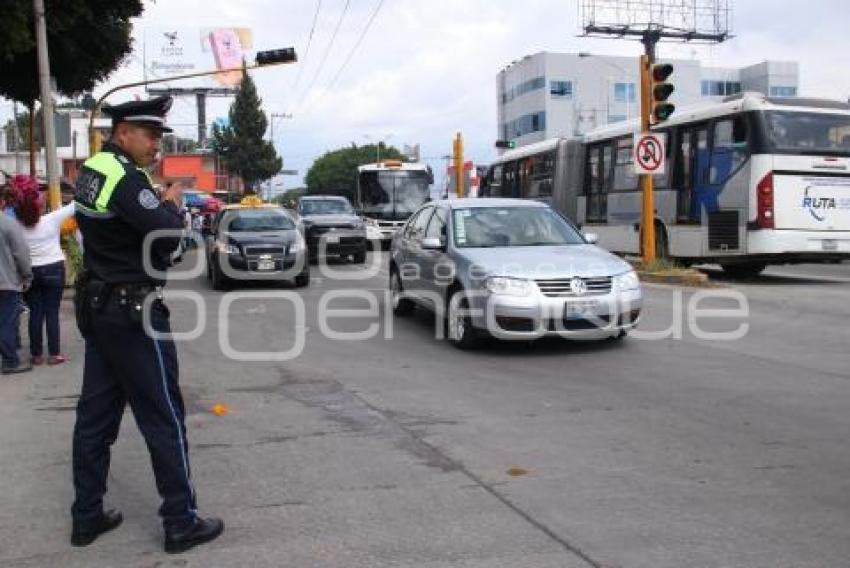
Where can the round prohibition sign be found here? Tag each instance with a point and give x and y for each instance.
(649, 153)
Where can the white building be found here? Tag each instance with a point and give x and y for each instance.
(564, 94)
(72, 145)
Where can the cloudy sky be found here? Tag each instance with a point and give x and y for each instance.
(426, 69)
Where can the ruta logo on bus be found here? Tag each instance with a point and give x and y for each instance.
(817, 206)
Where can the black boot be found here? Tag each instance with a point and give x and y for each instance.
(199, 532)
(83, 534)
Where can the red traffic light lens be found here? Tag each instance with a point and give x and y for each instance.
(660, 72)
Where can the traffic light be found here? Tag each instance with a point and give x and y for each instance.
(285, 55)
(508, 144)
(661, 91)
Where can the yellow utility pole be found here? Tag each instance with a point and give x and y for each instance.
(458, 158)
(648, 216)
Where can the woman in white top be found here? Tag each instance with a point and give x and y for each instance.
(44, 297)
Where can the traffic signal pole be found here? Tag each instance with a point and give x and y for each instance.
(458, 159)
(648, 211)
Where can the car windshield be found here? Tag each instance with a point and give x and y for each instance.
(248, 220)
(809, 132)
(512, 227)
(326, 207)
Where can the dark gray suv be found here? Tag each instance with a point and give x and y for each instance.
(332, 227)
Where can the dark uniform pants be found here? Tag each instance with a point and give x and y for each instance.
(123, 364)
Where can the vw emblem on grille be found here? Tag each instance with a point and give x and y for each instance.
(578, 286)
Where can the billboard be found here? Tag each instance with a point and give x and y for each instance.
(170, 51)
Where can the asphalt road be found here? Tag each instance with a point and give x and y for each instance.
(680, 450)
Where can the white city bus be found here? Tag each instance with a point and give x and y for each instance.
(750, 181)
(389, 192)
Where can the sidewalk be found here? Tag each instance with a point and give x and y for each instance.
(304, 472)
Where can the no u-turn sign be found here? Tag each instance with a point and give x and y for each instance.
(648, 149)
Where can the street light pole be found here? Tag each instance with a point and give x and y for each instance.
(264, 59)
(46, 105)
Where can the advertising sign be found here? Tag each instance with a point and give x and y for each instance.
(179, 51)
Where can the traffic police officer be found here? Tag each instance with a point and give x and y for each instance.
(116, 209)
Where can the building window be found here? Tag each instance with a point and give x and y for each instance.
(561, 89)
(624, 92)
(526, 125)
(719, 88)
(783, 91)
(616, 118)
(522, 88)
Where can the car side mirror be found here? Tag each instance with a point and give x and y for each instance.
(431, 243)
(591, 238)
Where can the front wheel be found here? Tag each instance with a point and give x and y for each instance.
(218, 279)
(401, 306)
(360, 256)
(303, 279)
(743, 270)
(459, 329)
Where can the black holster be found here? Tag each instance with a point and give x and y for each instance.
(89, 297)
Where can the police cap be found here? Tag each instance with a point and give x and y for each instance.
(149, 113)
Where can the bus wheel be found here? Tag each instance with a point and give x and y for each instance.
(662, 247)
(743, 270)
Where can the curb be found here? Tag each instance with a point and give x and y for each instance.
(692, 278)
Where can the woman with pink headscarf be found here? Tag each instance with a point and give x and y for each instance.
(44, 297)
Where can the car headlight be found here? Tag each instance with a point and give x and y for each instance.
(226, 248)
(627, 281)
(359, 225)
(297, 245)
(508, 286)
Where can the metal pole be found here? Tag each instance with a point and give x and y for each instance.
(201, 100)
(46, 104)
(17, 133)
(32, 139)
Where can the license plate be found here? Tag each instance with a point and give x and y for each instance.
(829, 244)
(265, 265)
(333, 239)
(580, 309)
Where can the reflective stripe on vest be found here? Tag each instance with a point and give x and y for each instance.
(107, 164)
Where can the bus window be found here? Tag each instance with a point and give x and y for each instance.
(606, 178)
(494, 186)
(524, 176)
(541, 170)
(625, 178)
(730, 149)
(598, 181)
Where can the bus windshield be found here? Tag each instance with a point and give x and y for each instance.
(808, 132)
(393, 195)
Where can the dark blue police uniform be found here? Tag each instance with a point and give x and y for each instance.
(116, 209)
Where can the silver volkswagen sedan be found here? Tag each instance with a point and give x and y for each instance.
(511, 269)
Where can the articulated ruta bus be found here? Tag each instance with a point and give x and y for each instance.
(749, 181)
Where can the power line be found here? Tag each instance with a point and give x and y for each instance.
(352, 52)
(327, 52)
(307, 49)
(357, 44)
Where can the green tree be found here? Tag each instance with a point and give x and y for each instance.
(240, 144)
(335, 171)
(290, 195)
(86, 42)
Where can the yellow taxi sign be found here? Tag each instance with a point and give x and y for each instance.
(392, 163)
(251, 201)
